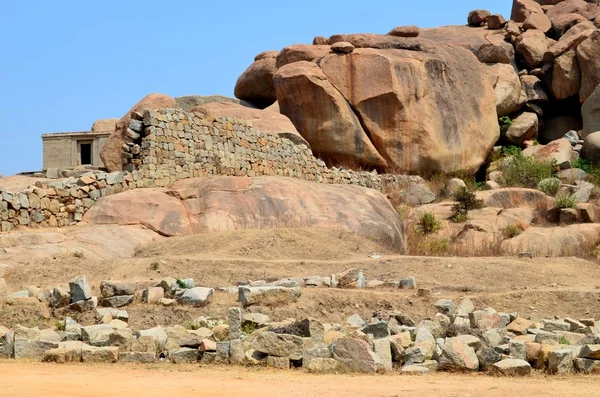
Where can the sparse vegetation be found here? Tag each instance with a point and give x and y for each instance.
(78, 254)
(428, 223)
(564, 341)
(565, 201)
(505, 123)
(59, 325)
(512, 231)
(248, 328)
(465, 202)
(549, 186)
(525, 171)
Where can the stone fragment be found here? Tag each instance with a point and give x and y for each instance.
(90, 354)
(355, 355)
(80, 289)
(512, 367)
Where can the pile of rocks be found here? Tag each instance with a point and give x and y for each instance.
(458, 337)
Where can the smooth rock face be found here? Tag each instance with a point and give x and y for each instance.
(566, 76)
(256, 83)
(322, 115)
(188, 102)
(403, 121)
(590, 112)
(405, 31)
(591, 147)
(355, 355)
(302, 52)
(111, 151)
(196, 297)
(587, 55)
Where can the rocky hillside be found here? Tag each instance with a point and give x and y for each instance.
(428, 100)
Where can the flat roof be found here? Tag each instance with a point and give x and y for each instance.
(82, 134)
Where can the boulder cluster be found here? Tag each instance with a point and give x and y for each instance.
(427, 100)
(458, 337)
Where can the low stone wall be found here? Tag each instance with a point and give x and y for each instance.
(165, 146)
(171, 144)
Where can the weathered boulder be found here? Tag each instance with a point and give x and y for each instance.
(534, 89)
(537, 21)
(405, 31)
(302, 52)
(496, 21)
(153, 208)
(105, 125)
(111, 151)
(531, 47)
(80, 289)
(196, 297)
(458, 354)
(522, 9)
(262, 120)
(90, 354)
(512, 367)
(493, 53)
(59, 297)
(355, 355)
(524, 128)
(559, 150)
(114, 288)
(591, 148)
(553, 242)
(256, 83)
(589, 62)
(270, 296)
(278, 345)
(413, 130)
(235, 202)
(590, 112)
(566, 76)
(478, 17)
(322, 115)
(342, 47)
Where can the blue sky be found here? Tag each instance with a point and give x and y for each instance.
(67, 63)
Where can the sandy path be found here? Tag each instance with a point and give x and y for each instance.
(36, 379)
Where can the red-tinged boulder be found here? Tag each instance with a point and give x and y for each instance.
(301, 52)
(256, 83)
(323, 116)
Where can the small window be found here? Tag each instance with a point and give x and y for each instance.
(85, 153)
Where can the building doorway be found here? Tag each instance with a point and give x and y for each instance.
(85, 153)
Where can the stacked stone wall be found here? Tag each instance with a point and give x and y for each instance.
(167, 145)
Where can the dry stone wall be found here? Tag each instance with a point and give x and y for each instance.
(172, 144)
(167, 145)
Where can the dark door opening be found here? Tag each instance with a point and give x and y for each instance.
(85, 152)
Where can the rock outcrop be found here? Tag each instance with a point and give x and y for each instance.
(202, 205)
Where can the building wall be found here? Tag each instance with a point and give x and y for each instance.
(58, 152)
(62, 151)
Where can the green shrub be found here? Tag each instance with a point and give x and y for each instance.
(565, 201)
(512, 231)
(549, 186)
(583, 165)
(525, 171)
(505, 122)
(564, 341)
(429, 223)
(459, 218)
(465, 202)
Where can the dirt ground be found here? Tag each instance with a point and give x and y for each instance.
(541, 287)
(34, 379)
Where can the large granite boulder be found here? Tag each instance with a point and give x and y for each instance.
(105, 125)
(589, 62)
(111, 151)
(590, 112)
(507, 87)
(301, 52)
(203, 205)
(323, 116)
(423, 106)
(256, 83)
